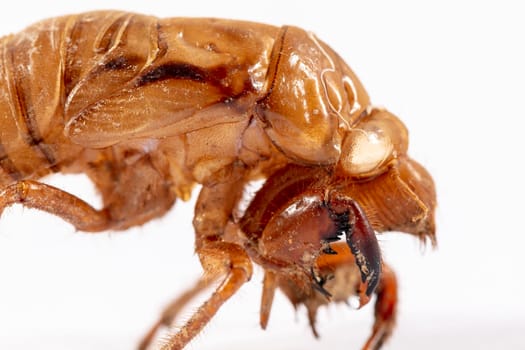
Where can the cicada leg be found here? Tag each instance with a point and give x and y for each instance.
(218, 258)
(385, 310)
(33, 194)
(173, 309)
(150, 198)
(215, 257)
(269, 286)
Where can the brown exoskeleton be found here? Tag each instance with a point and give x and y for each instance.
(149, 107)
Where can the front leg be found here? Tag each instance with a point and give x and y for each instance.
(385, 310)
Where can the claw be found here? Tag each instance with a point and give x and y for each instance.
(362, 241)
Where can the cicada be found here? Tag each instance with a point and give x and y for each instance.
(147, 108)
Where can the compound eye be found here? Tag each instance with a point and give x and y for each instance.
(374, 143)
(365, 151)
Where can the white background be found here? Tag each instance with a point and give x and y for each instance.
(454, 72)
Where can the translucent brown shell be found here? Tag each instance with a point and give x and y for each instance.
(149, 107)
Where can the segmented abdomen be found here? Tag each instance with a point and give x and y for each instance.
(59, 68)
(30, 98)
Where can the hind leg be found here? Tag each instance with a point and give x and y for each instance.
(137, 195)
(33, 194)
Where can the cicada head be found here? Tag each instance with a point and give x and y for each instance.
(396, 192)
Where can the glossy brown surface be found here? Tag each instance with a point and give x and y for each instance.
(149, 107)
